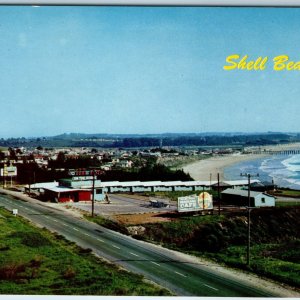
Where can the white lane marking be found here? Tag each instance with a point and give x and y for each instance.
(116, 247)
(180, 274)
(210, 287)
(155, 263)
(55, 220)
(64, 224)
(26, 208)
(134, 254)
(86, 234)
(75, 228)
(47, 217)
(99, 240)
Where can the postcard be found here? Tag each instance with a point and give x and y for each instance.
(149, 151)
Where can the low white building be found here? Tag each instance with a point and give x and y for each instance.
(240, 198)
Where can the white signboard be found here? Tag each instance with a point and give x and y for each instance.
(9, 171)
(195, 202)
(15, 211)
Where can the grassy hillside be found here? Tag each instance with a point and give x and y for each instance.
(275, 240)
(35, 261)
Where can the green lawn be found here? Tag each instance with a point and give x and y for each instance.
(287, 192)
(35, 261)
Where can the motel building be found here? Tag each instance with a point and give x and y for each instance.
(79, 188)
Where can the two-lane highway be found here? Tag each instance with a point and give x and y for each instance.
(165, 267)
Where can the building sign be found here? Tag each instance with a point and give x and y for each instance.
(195, 203)
(9, 171)
(82, 178)
(84, 172)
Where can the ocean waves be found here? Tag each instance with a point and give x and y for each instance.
(283, 170)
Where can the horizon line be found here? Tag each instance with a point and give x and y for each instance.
(161, 133)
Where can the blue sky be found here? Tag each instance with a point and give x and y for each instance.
(145, 70)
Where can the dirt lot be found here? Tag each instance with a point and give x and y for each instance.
(155, 217)
(141, 218)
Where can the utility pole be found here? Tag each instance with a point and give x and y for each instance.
(4, 176)
(93, 194)
(87, 172)
(30, 179)
(2, 172)
(248, 215)
(29, 184)
(219, 194)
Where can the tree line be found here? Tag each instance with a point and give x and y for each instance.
(146, 141)
(247, 140)
(30, 172)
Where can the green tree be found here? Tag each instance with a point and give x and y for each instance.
(12, 154)
(61, 157)
(2, 155)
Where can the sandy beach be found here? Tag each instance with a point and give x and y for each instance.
(202, 169)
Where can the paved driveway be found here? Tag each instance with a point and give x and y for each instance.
(121, 204)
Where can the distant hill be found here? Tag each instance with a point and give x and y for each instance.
(153, 140)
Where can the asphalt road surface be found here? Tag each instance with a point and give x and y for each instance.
(167, 268)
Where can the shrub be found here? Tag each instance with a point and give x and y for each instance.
(35, 239)
(85, 251)
(12, 270)
(4, 248)
(32, 238)
(35, 265)
(69, 272)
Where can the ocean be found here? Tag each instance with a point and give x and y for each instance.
(283, 169)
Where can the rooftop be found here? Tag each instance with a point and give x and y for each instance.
(243, 193)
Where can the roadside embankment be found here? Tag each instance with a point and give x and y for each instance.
(34, 261)
(275, 240)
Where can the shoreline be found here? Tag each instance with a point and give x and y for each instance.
(201, 170)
